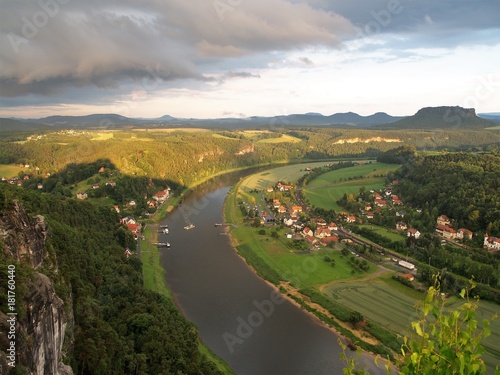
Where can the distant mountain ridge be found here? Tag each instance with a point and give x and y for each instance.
(445, 117)
(425, 118)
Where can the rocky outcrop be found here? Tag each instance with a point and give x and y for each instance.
(23, 237)
(42, 325)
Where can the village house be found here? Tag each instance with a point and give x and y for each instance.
(401, 226)
(321, 223)
(296, 209)
(132, 203)
(282, 187)
(152, 203)
(117, 209)
(162, 195)
(326, 240)
(322, 232)
(270, 189)
(443, 220)
(463, 233)
(128, 220)
(332, 226)
(446, 232)
(82, 195)
(276, 203)
(311, 240)
(288, 222)
(368, 207)
(111, 183)
(376, 196)
(128, 253)
(281, 209)
(400, 214)
(380, 203)
(408, 276)
(370, 215)
(397, 202)
(491, 243)
(95, 186)
(413, 233)
(134, 228)
(39, 186)
(351, 219)
(307, 232)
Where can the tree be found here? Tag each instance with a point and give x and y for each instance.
(444, 342)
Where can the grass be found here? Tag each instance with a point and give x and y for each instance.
(392, 305)
(8, 170)
(266, 253)
(325, 190)
(285, 138)
(289, 173)
(385, 232)
(102, 136)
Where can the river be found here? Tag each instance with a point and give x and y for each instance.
(239, 316)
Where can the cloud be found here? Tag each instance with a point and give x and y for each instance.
(48, 46)
(241, 75)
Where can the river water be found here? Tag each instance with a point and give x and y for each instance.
(239, 316)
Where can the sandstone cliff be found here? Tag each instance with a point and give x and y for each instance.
(42, 320)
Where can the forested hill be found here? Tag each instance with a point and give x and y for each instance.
(457, 118)
(463, 186)
(119, 327)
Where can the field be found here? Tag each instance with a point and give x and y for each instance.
(393, 306)
(385, 232)
(283, 139)
(289, 173)
(8, 170)
(328, 188)
(102, 136)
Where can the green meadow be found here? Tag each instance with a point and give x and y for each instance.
(325, 190)
(9, 170)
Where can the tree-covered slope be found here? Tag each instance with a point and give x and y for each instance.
(119, 327)
(463, 186)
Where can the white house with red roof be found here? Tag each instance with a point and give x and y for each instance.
(413, 233)
(307, 232)
(443, 220)
(333, 226)
(464, 233)
(491, 243)
(446, 232)
(322, 232)
(162, 195)
(351, 219)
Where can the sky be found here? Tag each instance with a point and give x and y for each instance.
(240, 58)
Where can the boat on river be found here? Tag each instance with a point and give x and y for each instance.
(188, 227)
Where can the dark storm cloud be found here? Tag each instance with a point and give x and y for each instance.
(47, 46)
(436, 22)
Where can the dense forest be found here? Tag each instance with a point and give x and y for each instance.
(188, 156)
(119, 326)
(463, 186)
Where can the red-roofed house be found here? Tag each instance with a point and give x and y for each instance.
(134, 228)
(323, 232)
(332, 226)
(443, 220)
(413, 233)
(380, 202)
(307, 232)
(321, 222)
(296, 209)
(326, 240)
(491, 243)
(464, 233)
(282, 209)
(276, 203)
(161, 196)
(446, 232)
(351, 219)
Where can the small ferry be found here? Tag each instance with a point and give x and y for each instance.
(218, 224)
(165, 231)
(188, 227)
